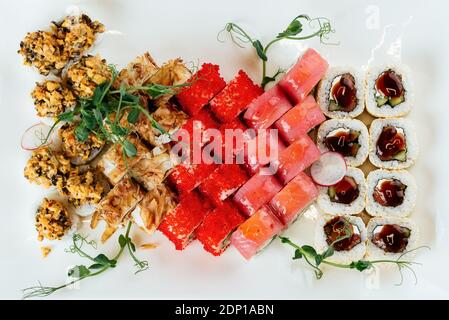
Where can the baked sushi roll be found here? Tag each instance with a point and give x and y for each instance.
(349, 137)
(388, 91)
(393, 143)
(347, 235)
(390, 193)
(391, 237)
(346, 197)
(341, 93)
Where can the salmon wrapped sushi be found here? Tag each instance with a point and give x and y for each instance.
(179, 225)
(297, 157)
(256, 233)
(235, 97)
(300, 120)
(297, 195)
(266, 109)
(204, 85)
(262, 150)
(222, 183)
(304, 75)
(186, 177)
(256, 192)
(216, 230)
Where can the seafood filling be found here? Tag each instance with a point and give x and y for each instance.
(341, 234)
(345, 191)
(344, 141)
(389, 192)
(391, 144)
(389, 89)
(391, 237)
(343, 93)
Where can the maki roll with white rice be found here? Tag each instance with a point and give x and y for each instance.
(349, 137)
(390, 193)
(391, 237)
(347, 197)
(388, 91)
(393, 143)
(341, 93)
(347, 235)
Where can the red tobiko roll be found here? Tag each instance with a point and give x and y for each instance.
(235, 97)
(204, 85)
(186, 177)
(215, 231)
(179, 225)
(223, 182)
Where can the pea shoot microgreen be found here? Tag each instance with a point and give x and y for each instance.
(321, 28)
(315, 259)
(98, 264)
(102, 113)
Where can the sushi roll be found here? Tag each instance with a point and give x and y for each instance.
(393, 143)
(235, 97)
(186, 177)
(349, 137)
(390, 193)
(347, 235)
(179, 225)
(204, 85)
(388, 91)
(304, 75)
(256, 233)
(266, 109)
(114, 165)
(296, 196)
(256, 192)
(149, 213)
(296, 157)
(216, 230)
(391, 237)
(341, 93)
(222, 183)
(347, 197)
(299, 120)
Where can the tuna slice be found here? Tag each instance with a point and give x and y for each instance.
(223, 182)
(304, 75)
(256, 233)
(235, 97)
(179, 225)
(215, 231)
(204, 85)
(297, 157)
(300, 120)
(261, 150)
(266, 109)
(293, 198)
(256, 192)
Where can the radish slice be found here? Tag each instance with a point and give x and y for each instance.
(35, 135)
(329, 169)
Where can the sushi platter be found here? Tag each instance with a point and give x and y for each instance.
(290, 160)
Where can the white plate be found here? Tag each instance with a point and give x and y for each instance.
(188, 29)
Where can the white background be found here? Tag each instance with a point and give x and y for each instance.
(188, 29)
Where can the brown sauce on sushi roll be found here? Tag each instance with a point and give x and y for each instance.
(391, 144)
(389, 89)
(343, 141)
(345, 191)
(389, 192)
(340, 228)
(391, 237)
(343, 94)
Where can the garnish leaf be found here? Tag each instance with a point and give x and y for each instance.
(78, 272)
(81, 132)
(133, 115)
(293, 29)
(298, 254)
(130, 148)
(260, 51)
(309, 250)
(66, 116)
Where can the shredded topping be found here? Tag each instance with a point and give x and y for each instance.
(74, 148)
(52, 98)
